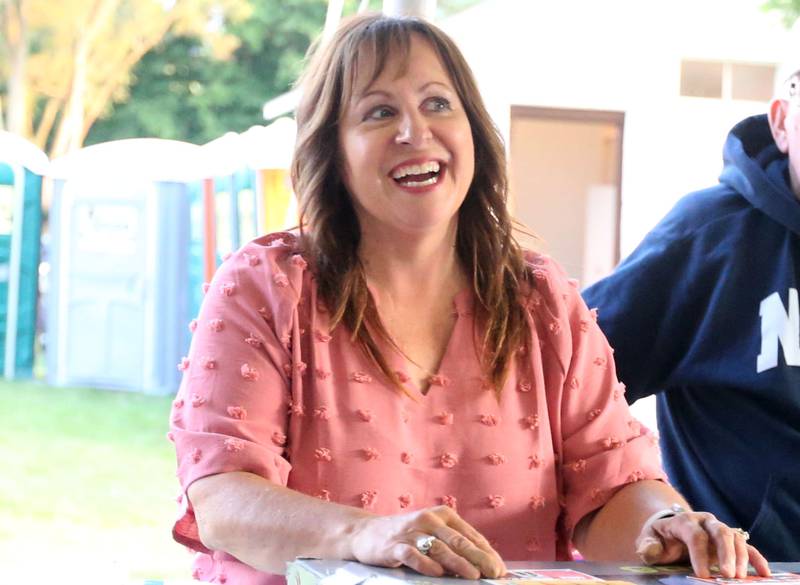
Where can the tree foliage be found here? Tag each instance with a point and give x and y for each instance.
(790, 10)
(62, 62)
(182, 91)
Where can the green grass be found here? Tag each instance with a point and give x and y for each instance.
(87, 485)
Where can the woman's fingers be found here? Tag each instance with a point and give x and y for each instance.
(722, 541)
(696, 540)
(433, 542)
(464, 540)
(470, 558)
(705, 539)
(408, 555)
(453, 560)
(742, 555)
(758, 561)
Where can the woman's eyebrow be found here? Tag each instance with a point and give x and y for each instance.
(439, 83)
(385, 94)
(371, 93)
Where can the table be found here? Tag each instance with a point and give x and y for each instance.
(320, 572)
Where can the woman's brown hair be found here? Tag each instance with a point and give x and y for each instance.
(329, 227)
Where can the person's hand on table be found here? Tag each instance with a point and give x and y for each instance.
(456, 547)
(704, 539)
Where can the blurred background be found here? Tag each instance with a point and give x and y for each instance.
(143, 140)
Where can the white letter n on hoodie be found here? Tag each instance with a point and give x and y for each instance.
(778, 326)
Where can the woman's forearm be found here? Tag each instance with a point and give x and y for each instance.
(265, 525)
(611, 532)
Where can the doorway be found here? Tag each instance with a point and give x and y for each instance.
(566, 169)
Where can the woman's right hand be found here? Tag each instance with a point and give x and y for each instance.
(390, 541)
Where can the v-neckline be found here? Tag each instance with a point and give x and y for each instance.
(462, 305)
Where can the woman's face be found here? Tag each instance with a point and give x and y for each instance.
(406, 144)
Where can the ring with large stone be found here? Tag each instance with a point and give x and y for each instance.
(743, 533)
(424, 544)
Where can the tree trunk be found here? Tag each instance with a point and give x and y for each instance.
(332, 18)
(102, 96)
(72, 115)
(18, 120)
(46, 122)
(70, 129)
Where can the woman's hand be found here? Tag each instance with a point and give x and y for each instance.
(704, 539)
(458, 548)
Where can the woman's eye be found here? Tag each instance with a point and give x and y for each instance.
(379, 113)
(439, 104)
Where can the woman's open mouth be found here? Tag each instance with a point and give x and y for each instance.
(418, 175)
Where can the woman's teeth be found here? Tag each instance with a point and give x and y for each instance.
(425, 168)
(430, 181)
(418, 175)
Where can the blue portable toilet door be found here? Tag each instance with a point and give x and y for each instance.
(106, 307)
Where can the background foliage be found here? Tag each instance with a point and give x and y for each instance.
(77, 71)
(790, 9)
(182, 91)
(62, 62)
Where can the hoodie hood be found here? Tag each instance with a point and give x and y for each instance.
(754, 167)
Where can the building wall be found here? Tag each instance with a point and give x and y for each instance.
(566, 181)
(625, 56)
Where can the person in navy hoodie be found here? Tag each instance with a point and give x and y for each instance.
(705, 313)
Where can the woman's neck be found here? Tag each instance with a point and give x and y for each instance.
(412, 267)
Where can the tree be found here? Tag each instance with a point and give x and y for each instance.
(182, 91)
(789, 8)
(64, 61)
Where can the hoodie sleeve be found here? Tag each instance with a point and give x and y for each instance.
(652, 307)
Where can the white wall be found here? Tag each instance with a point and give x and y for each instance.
(623, 55)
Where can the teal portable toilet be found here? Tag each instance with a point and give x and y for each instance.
(226, 161)
(22, 166)
(118, 312)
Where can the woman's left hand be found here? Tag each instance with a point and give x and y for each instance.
(704, 539)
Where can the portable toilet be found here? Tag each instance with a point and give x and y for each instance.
(118, 309)
(244, 192)
(22, 166)
(225, 159)
(222, 210)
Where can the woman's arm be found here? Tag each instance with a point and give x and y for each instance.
(266, 525)
(617, 531)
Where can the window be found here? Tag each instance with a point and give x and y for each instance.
(727, 80)
(752, 82)
(701, 79)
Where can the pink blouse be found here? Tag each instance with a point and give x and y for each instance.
(269, 388)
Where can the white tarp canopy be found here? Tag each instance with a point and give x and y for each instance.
(155, 159)
(16, 150)
(152, 159)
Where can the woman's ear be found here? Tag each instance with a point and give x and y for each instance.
(778, 110)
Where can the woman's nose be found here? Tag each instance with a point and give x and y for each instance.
(413, 130)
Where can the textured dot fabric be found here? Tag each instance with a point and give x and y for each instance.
(269, 388)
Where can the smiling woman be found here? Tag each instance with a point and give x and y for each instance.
(363, 59)
(407, 145)
(397, 382)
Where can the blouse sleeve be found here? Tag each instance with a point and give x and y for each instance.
(601, 446)
(231, 411)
